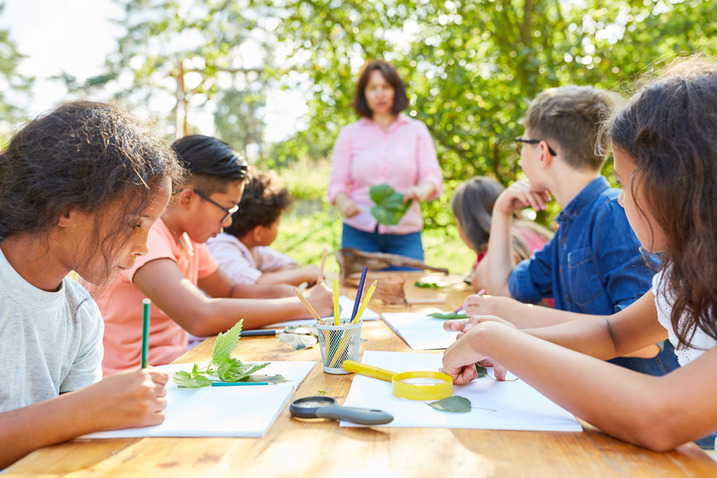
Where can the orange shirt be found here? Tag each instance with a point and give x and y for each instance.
(121, 305)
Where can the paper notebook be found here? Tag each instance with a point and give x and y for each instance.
(419, 331)
(244, 411)
(503, 405)
(346, 305)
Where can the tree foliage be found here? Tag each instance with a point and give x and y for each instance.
(470, 66)
(12, 83)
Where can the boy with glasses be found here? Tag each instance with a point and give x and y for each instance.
(594, 264)
(189, 292)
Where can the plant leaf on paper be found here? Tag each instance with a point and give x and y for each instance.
(389, 208)
(448, 315)
(427, 285)
(223, 367)
(483, 372)
(298, 341)
(453, 404)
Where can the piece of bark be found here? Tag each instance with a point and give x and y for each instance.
(353, 260)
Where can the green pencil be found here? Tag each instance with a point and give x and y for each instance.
(145, 332)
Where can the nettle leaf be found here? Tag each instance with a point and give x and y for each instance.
(278, 378)
(389, 208)
(426, 285)
(193, 379)
(453, 404)
(233, 370)
(448, 315)
(226, 343)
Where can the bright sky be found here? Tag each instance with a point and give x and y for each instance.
(74, 36)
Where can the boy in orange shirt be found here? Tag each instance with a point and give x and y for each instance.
(189, 292)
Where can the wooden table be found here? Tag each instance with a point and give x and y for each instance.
(321, 449)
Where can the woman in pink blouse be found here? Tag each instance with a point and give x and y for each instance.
(384, 146)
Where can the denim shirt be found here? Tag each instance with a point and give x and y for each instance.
(593, 264)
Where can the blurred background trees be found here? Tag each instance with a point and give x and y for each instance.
(470, 67)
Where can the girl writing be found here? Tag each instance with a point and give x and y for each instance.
(79, 190)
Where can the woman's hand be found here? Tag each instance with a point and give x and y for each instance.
(346, 206)
(419, 193)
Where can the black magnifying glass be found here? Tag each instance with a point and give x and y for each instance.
(327, 407)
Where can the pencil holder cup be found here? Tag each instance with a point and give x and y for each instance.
(338, 343)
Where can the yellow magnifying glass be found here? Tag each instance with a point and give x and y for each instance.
(413, 385)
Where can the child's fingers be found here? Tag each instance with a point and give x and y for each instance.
(454, 325)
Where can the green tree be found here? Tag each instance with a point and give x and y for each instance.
(14, 87)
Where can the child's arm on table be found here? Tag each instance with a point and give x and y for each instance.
(293, 275)
(525, 316)
(499, 257)
(163, 282)
(656, 412)
(123, 400)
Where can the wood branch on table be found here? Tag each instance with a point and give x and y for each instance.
(353, 260)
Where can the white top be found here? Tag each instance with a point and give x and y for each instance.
(700, 343)
(244, 265)
(51, 341)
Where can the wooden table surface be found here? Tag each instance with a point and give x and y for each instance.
(320, 448)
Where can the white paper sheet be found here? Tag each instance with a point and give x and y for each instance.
(346, 306)
(244, 411)
(419, 331)
(517, 405)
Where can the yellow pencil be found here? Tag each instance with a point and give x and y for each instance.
(336, 302)
(367, 298)
(323, 262)
(311, 310)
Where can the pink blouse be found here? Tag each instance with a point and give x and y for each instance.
(365, 155)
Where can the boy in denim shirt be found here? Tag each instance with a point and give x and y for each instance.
(593, 265)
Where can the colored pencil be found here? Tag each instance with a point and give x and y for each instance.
(311, 310)
(261, 332)
(336, 302)
(364, 304)
(145, 331)
(362, 281)
(237, 384)
(323, 263)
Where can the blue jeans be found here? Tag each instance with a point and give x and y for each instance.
(408, 245)
(663, 363)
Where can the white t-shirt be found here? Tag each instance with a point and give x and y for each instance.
(700, 343)
(244, 265)
(50, 342)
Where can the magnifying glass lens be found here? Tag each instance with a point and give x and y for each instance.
(422, 381)
(313, 403)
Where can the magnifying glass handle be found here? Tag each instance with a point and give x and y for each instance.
(362, 416)
(368, 370)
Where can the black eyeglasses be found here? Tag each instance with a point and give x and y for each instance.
(228, 212)
(520, 140)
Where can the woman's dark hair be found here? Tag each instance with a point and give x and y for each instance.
(669, 130)
(472, 206)
(389, 73)
(83, 155)
(263, 201)
(211, 162)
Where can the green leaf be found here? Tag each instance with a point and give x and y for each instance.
(448, 315)
(226, 343)
(483, 372)
(389, 208)
(193, 379)
(278, 378)
(427, 285)
(453, 404)
(233, 370)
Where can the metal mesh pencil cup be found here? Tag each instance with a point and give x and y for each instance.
(338, 343)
